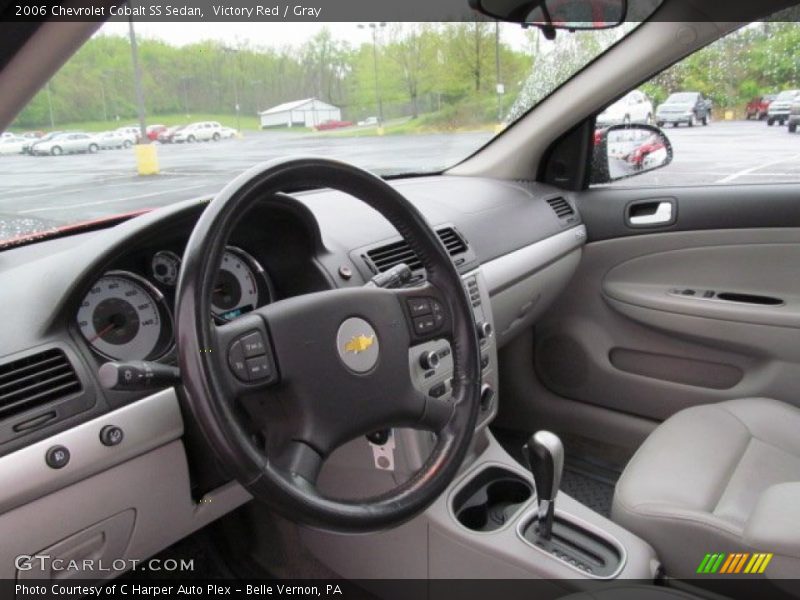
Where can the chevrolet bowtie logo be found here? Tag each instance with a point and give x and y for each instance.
(359, 343)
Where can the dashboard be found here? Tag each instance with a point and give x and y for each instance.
(86, 299)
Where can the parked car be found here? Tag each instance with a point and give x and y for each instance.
(67, 143)
(333, 124)
(113, 139)
(757, 108)
(28, 147)
(166, 136)
(794, 116)
(780, 107)
(199, 132)
(634, 107)
(368, 121)
(133, 133)
(11, 144)
(684, 107)
(652, 152)
(154, 130)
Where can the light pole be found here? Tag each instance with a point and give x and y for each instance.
(234, 51)
(106, 81)
(256, 83)
(184, 79)
(103, 96)
(498, 86)
(137, 82)
(50, 106)
(374, 27)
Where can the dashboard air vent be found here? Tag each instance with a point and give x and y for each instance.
(561, 207)
(35, 380)
(385, 257)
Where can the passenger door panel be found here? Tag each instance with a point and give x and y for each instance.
(627, 336)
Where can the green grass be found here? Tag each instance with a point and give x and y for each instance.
(248, 122)
(421, 125)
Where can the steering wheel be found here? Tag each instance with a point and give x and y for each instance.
(326, 367)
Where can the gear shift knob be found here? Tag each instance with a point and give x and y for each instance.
(545, 454)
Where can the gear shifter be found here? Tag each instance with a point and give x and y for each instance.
(545, 455)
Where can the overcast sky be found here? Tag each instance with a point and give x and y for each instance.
(265, 34)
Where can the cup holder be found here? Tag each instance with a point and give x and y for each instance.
(490, 499)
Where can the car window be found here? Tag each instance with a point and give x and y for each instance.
(730, 113)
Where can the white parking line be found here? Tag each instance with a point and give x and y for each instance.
(735, 176)
(112, 201)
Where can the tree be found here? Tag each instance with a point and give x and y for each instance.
(410, 49)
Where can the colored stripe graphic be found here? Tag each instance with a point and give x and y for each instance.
(715, 567)
(730, 564)
(740, 564)
(703, 563)
(727, 564)
(763, 566)
(737, 562)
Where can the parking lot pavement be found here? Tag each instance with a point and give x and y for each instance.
(85, 186)
(71, 188)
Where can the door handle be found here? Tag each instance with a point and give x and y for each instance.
(651, 213)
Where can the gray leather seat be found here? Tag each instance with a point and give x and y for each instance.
(718, 478)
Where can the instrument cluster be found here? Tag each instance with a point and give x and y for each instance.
(126, 316)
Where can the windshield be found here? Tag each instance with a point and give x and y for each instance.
(684, 98)
(213, 99)
(788, 95)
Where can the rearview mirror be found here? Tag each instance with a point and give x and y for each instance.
(623, 151)
(556, 14)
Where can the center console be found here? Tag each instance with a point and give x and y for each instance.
(431, 364)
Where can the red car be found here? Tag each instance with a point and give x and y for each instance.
(638, 157)
(758, 107)
(333, 124)
(154, 130)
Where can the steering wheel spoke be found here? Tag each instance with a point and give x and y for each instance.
(437, 413)
(300, 460)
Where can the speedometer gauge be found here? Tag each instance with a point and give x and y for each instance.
(123, 317)
(241, 285)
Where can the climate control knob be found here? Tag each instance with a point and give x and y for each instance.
(429, 360)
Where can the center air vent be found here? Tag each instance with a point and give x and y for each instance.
(383, 258)
(35, 380)
(561, 207)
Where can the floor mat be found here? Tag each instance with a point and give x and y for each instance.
(589, 491)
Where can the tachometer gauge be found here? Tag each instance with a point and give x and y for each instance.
(123, 317)
(165, 267)
(241, 285)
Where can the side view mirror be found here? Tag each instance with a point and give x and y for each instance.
(623, 151)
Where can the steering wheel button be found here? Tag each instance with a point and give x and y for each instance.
(253, 345)
(258, 367)
(236, 361)
(423, 325)
(419, 306)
